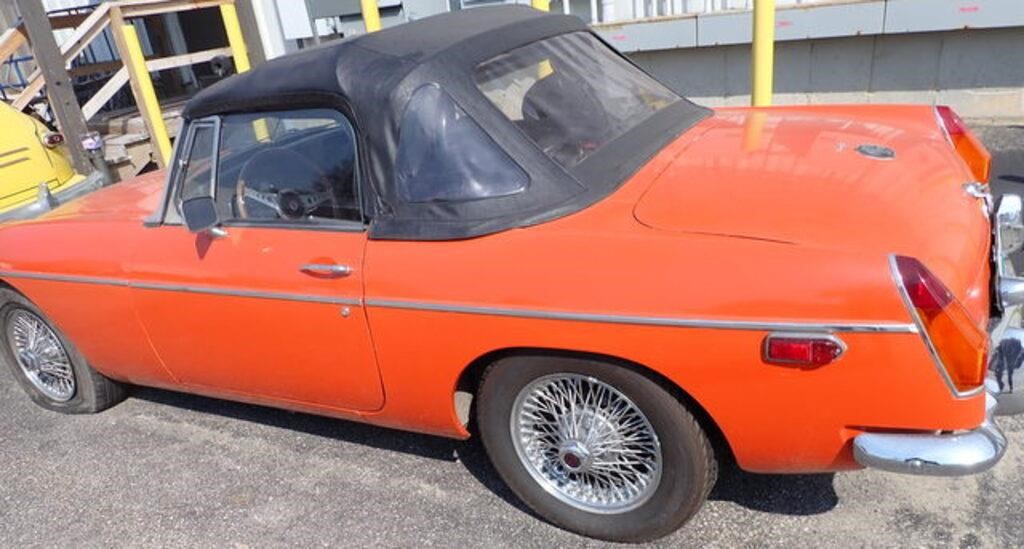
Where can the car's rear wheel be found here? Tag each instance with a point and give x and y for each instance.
(46, 364)
(594, 447)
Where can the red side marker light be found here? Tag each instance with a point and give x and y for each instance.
(802, 350)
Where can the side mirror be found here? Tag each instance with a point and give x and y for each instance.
(200, 213)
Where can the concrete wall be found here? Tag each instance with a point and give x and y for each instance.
(979, 72)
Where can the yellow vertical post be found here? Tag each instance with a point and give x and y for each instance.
(763, 55)
(130, 49)
(235, 39)
(544, 69)
(371, 15)
(232, 27)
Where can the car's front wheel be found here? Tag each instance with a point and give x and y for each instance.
(46, 364)
(594, 447)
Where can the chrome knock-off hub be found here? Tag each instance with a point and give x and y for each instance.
(586, 443)
(40, 355)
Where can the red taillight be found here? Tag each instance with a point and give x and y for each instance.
(800, 350)
(967, 145)
(951, 121)
(925, 291)
(53, 139)
(959, 344)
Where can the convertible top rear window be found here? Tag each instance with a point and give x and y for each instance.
(571, 94)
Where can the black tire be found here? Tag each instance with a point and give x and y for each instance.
(93, 391)
(688, 471)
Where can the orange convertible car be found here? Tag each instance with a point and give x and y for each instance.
(491, 222)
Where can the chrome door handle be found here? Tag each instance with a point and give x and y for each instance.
(324, 269)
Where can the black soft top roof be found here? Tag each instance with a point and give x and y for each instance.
(371, 77)
(364, 69)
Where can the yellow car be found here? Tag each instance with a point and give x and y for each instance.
(35, 172)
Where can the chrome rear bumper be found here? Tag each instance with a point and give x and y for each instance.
(944, 455)
(1006, 367)
(45, 201)
(960, 453)
(977, 450)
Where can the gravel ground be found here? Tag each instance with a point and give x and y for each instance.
(171, 470)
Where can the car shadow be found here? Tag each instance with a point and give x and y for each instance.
(780, 494)
(797, 495)
(426, 446)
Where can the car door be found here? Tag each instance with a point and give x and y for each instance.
(268, 304)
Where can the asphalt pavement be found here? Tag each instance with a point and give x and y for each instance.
(166, 469)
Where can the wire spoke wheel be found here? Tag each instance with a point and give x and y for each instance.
(40, 355)
(586, 443)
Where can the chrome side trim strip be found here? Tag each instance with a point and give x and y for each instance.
(648, 320)
(205, 290)
(65, 278)
(766, 326)
(282, 296)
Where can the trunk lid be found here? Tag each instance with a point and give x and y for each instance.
(795, 175)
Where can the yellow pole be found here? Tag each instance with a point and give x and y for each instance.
(371, 15)
(235, 38)
(145, 83)
(240, 52)
(545, 69)
(763, 55)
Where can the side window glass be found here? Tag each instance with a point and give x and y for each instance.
(197, 178)
(288, 166)
(443, 155)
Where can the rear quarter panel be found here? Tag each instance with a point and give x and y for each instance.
(601, 261)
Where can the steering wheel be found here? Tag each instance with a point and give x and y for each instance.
(260, 182)
(288, 204)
